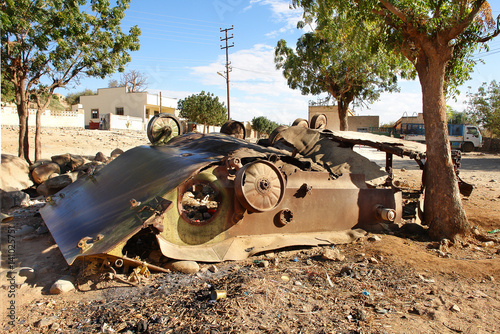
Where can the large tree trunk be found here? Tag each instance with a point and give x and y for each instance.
(23, 114)
(443, 208)
(342, 109)
(38, 134)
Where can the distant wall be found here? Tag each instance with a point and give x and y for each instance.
(491, 145)
(362, 123)
(51, 119)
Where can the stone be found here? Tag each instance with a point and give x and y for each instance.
(116, 152)
(62, 285)
(14, 173)
(45, 322)
(373, 260)
(76, 161)
(186, 267)
(54, 185)
(332, 254)
(42, 173)
(10, 199)
(264, 263)
(61, 159)
(455, 308)
(213, 268)
(25, 229)
(100, 157)
(374, 238)
(42, 230)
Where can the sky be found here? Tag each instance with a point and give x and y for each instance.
(181, 55)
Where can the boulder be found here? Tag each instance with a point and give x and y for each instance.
(116, 152)
(62, 285)
(10, 199)
(100, 157)
(53, 185)
(14, 173)
(42, 172)
(76, 161)
(186, 267)
(61, 159)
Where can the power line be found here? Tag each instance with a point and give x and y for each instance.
(164, 25)
(182, 32)
(174, 17)
(158, 20)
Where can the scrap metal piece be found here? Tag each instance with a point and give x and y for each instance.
(210, 167)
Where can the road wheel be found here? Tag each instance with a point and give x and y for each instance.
(467, 147)
(162, 128)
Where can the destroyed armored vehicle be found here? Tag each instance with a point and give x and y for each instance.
(217, 197)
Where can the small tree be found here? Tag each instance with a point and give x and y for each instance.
(336, 66)
(48, 43)
(262, 124)
(74, 98)
(484, 107)
(135, 81)
(203, 108)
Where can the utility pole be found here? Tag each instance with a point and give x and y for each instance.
(228, 69)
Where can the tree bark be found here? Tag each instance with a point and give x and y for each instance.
(38, 135)
(23, 114)
(443, 209)
(342, 110)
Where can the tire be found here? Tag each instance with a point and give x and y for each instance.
(467, 147)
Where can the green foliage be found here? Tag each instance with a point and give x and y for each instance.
(339, 58)
(263, 125)
(203, 108)
(54, 41)
(484, 107)
(455, 117)
(74, 98)
(463, 24)
(8, 93)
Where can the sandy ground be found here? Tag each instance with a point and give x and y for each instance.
(399, 284)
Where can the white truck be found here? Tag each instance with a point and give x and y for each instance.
(463, 137)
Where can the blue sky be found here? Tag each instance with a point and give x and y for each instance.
(181, 54)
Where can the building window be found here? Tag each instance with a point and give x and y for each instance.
(119, 110)
(94, 113)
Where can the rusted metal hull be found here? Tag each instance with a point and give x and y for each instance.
(146, 189)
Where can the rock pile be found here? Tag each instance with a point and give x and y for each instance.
(48, 176)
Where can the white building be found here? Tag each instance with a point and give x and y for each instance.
(115, 108)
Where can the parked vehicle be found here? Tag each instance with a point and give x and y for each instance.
(462, 136)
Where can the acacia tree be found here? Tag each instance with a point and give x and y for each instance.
(484, 107)
(46, 44)
(437, 38)
(203, 108)
(337, 67)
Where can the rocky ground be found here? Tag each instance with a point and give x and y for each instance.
(393, 282)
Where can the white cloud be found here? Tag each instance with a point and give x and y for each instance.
(282, 13)
(257, 88)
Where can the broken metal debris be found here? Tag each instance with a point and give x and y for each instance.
(218, 197)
